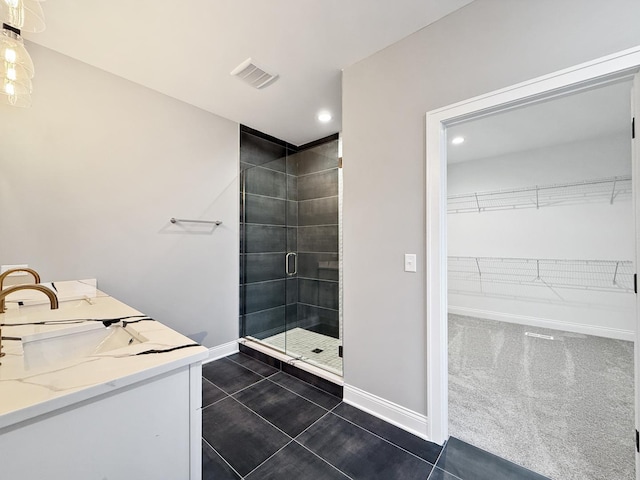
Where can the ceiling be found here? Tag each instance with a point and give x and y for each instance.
(596, 112)
(187, 50)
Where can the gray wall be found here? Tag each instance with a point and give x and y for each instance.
(91, 174)
(486, 45)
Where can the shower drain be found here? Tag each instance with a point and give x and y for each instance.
(317, 350)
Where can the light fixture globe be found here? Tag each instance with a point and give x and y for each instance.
(13, 54)
(25, 15)
(15, 94)
(16, 69)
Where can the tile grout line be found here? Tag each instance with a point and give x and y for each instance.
(314, 387)
(251, 410)
(288, 278)
(248, 368)
(327, 412)
(270, 456)
(269, 423)
(302, 396)
(284, 225)
(260, 416)
(299, 175)
(285, 373)
(248, 386)
(296, 175)
(313, 225)
(223, 459)
(454, 477)
(324, 460)
(382, 438)
(291, 439)
(316, 198)
(271, 197)
(226, 395)
(436, 463)
(314, 453)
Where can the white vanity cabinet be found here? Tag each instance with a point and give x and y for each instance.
(115, 415)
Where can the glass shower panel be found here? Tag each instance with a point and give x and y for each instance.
(289, 268)
(313, 334)
(263, 237)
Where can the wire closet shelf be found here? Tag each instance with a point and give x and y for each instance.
(599, 275)
(604, 189)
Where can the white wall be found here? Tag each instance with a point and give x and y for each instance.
(484, 46)
(580, 230)
(91, 174)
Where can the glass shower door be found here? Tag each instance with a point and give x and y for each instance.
(289, 258)
(263, 240)
(313, 332)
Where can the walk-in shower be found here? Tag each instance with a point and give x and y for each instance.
(289, 248)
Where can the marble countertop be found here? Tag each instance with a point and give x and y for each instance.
(45, 370)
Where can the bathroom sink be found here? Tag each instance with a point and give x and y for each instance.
(43, 307)
(60, 346)
(70, 294)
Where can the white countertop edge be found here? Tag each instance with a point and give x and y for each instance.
(30, 413)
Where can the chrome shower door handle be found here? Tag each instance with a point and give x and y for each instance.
(287, 263)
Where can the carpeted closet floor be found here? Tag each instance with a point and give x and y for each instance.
(562, 407)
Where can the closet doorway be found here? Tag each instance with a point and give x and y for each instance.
(517, 232)
(541, 306)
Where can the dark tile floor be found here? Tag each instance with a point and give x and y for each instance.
(260, 423)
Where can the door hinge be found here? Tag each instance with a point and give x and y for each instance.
(340, 351)
(635, 283)
(637, 441)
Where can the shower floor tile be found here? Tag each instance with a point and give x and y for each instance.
(312, 347)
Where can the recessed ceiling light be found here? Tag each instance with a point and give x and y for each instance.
(324, 117)
(457, 140)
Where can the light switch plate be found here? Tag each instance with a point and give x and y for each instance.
(410, 262)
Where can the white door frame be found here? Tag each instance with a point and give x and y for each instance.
(603, 70)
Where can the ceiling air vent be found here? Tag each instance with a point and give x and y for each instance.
(255, 76)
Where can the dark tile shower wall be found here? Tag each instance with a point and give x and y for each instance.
(317, 174)
(264, 212)
(289, 203)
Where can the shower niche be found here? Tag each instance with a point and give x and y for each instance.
(289, 248)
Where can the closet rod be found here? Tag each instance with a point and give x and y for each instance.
(540, 195)
(603, 275)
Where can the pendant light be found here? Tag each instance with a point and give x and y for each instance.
(16, 66)
(16, 70)
(25, 15)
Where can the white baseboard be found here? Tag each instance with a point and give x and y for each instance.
(393, 413)
(223, 350)
(599, 331)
